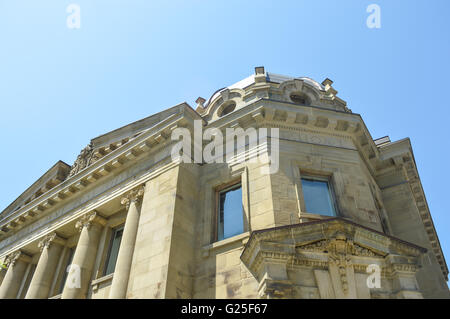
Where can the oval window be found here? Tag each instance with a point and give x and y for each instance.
(299, 99)
(228, 108)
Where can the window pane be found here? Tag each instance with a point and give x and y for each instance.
(231, 220)
(114, 251)
(317, 197)
(64, 277)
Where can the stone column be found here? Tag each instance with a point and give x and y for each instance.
(51, 247)
(78, 279)
(17, 264)
(2, 274)
(123, 265)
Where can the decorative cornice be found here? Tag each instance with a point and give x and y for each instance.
(163, 165)
(135, 195)
(418, 193)
(146, 142)
(88, 219)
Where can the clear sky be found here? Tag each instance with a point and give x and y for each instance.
(60, 87)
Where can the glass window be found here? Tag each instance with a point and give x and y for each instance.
(318, 197)
(231, 214)
(113, 250)
(65, 270)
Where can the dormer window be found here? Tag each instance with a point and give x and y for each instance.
(228, 108)
(299, 99)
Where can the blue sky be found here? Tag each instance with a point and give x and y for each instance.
(60, 87)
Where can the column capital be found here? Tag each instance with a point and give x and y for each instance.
(49, 239)
(11, 259)
(134, 195)
(88, 219)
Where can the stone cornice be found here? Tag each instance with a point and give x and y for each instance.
(76, 213)
(314, 231)
(145, 143)
(402, 155)
(265, 112)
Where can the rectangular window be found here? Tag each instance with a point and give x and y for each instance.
(113, 250)
(71, 252)
(230, 212)
(318, 196)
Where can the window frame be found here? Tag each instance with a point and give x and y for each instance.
(218, 190)
(111, 242)
(68, 258)
(331, 192)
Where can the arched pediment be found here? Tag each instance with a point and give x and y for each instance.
(300, 87)
(222, 100)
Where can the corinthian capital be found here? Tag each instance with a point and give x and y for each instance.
(49, 239)
(135, 195)
(88, 219)
(11, 259)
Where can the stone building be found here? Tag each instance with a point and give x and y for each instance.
(126, 220)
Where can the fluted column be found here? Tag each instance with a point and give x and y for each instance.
(50, 246)
(125, 256)
(17, 263)
(77, 282)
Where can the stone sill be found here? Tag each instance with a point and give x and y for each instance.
(310, 217)
(95, 283)
(241, 237)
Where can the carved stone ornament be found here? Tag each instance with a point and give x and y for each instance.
(11, 259)
(336, 249)
(340, 251)
(353, 248)
(135, 195)
(48, 240)
(86, 158)
(88, 219)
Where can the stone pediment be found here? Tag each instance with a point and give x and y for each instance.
(54, 176)
(108, 142)
(335, 247)
(92, 167)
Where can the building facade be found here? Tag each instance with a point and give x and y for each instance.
(342, 216)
